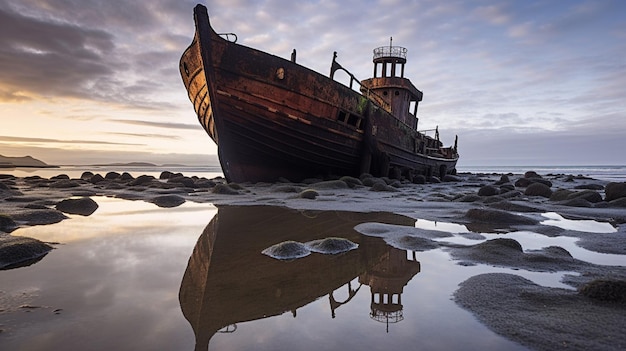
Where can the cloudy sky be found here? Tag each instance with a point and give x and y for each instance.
(520, 82)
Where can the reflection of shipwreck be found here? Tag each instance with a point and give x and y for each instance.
(386, 280)
(229, 281)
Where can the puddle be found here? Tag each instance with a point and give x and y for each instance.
(589, 226)
(136, 276)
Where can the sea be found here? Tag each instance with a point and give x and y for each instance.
(612, 173)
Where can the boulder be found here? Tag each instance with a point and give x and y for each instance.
(142, 180)
(503, 179)
(308, 194)
(419, 179)
(351, 181)
(488, 190)
(224, 189)
(531, 174)
(86, 175)
(19, 251)
(615, 191)
(184, 181)
(168, 201)
(497, 217)
(112, 176)
(83, 206)
(97, 178)
(538, 189)
(7, 224)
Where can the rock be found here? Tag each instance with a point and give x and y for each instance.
(560, 194)
(165, 175)
(506, 187)
(503, 179)
(434, 180)
(7, 224)
(142, 180)
(204, 183)
(184, 181)
(614, 191)
(64, 184)
(330, 184)
(383, 187)
(60, 177)
(168, 201)
(331, 245)
(497, 216)
(286, 189)
(371, 181)
(567, 195)
(524, 182)
(576, 202)
(126, 177)
(112, 176)
(308, 194)
(96, 179)
(449, 178)
(419, 179)
(39, 217)
(84, 206)
(352, 181)
(86, 175)
(531, 174)
(605, 290)
(538, 189)
(224, 189)
(590, 186)
(19, 251)
(621, 202)
(287, 250)
(514, 207)
(488, 190)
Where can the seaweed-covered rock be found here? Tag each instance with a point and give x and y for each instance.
(83, 206)
(19, 251)
(615, 190)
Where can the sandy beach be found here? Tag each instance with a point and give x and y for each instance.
(589, 315)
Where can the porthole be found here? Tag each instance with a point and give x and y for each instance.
(280, 73)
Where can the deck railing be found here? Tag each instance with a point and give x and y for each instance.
(390, 51)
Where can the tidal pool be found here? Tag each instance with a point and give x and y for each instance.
(134, 276)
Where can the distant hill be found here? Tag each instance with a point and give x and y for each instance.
(128, 164)
(24, 161)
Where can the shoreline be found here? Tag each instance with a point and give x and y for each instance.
(481, 202)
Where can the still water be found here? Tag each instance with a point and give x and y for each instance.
(134, 276)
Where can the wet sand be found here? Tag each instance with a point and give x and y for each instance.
(535, 316)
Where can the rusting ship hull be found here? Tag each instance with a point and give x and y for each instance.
(273, 118)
